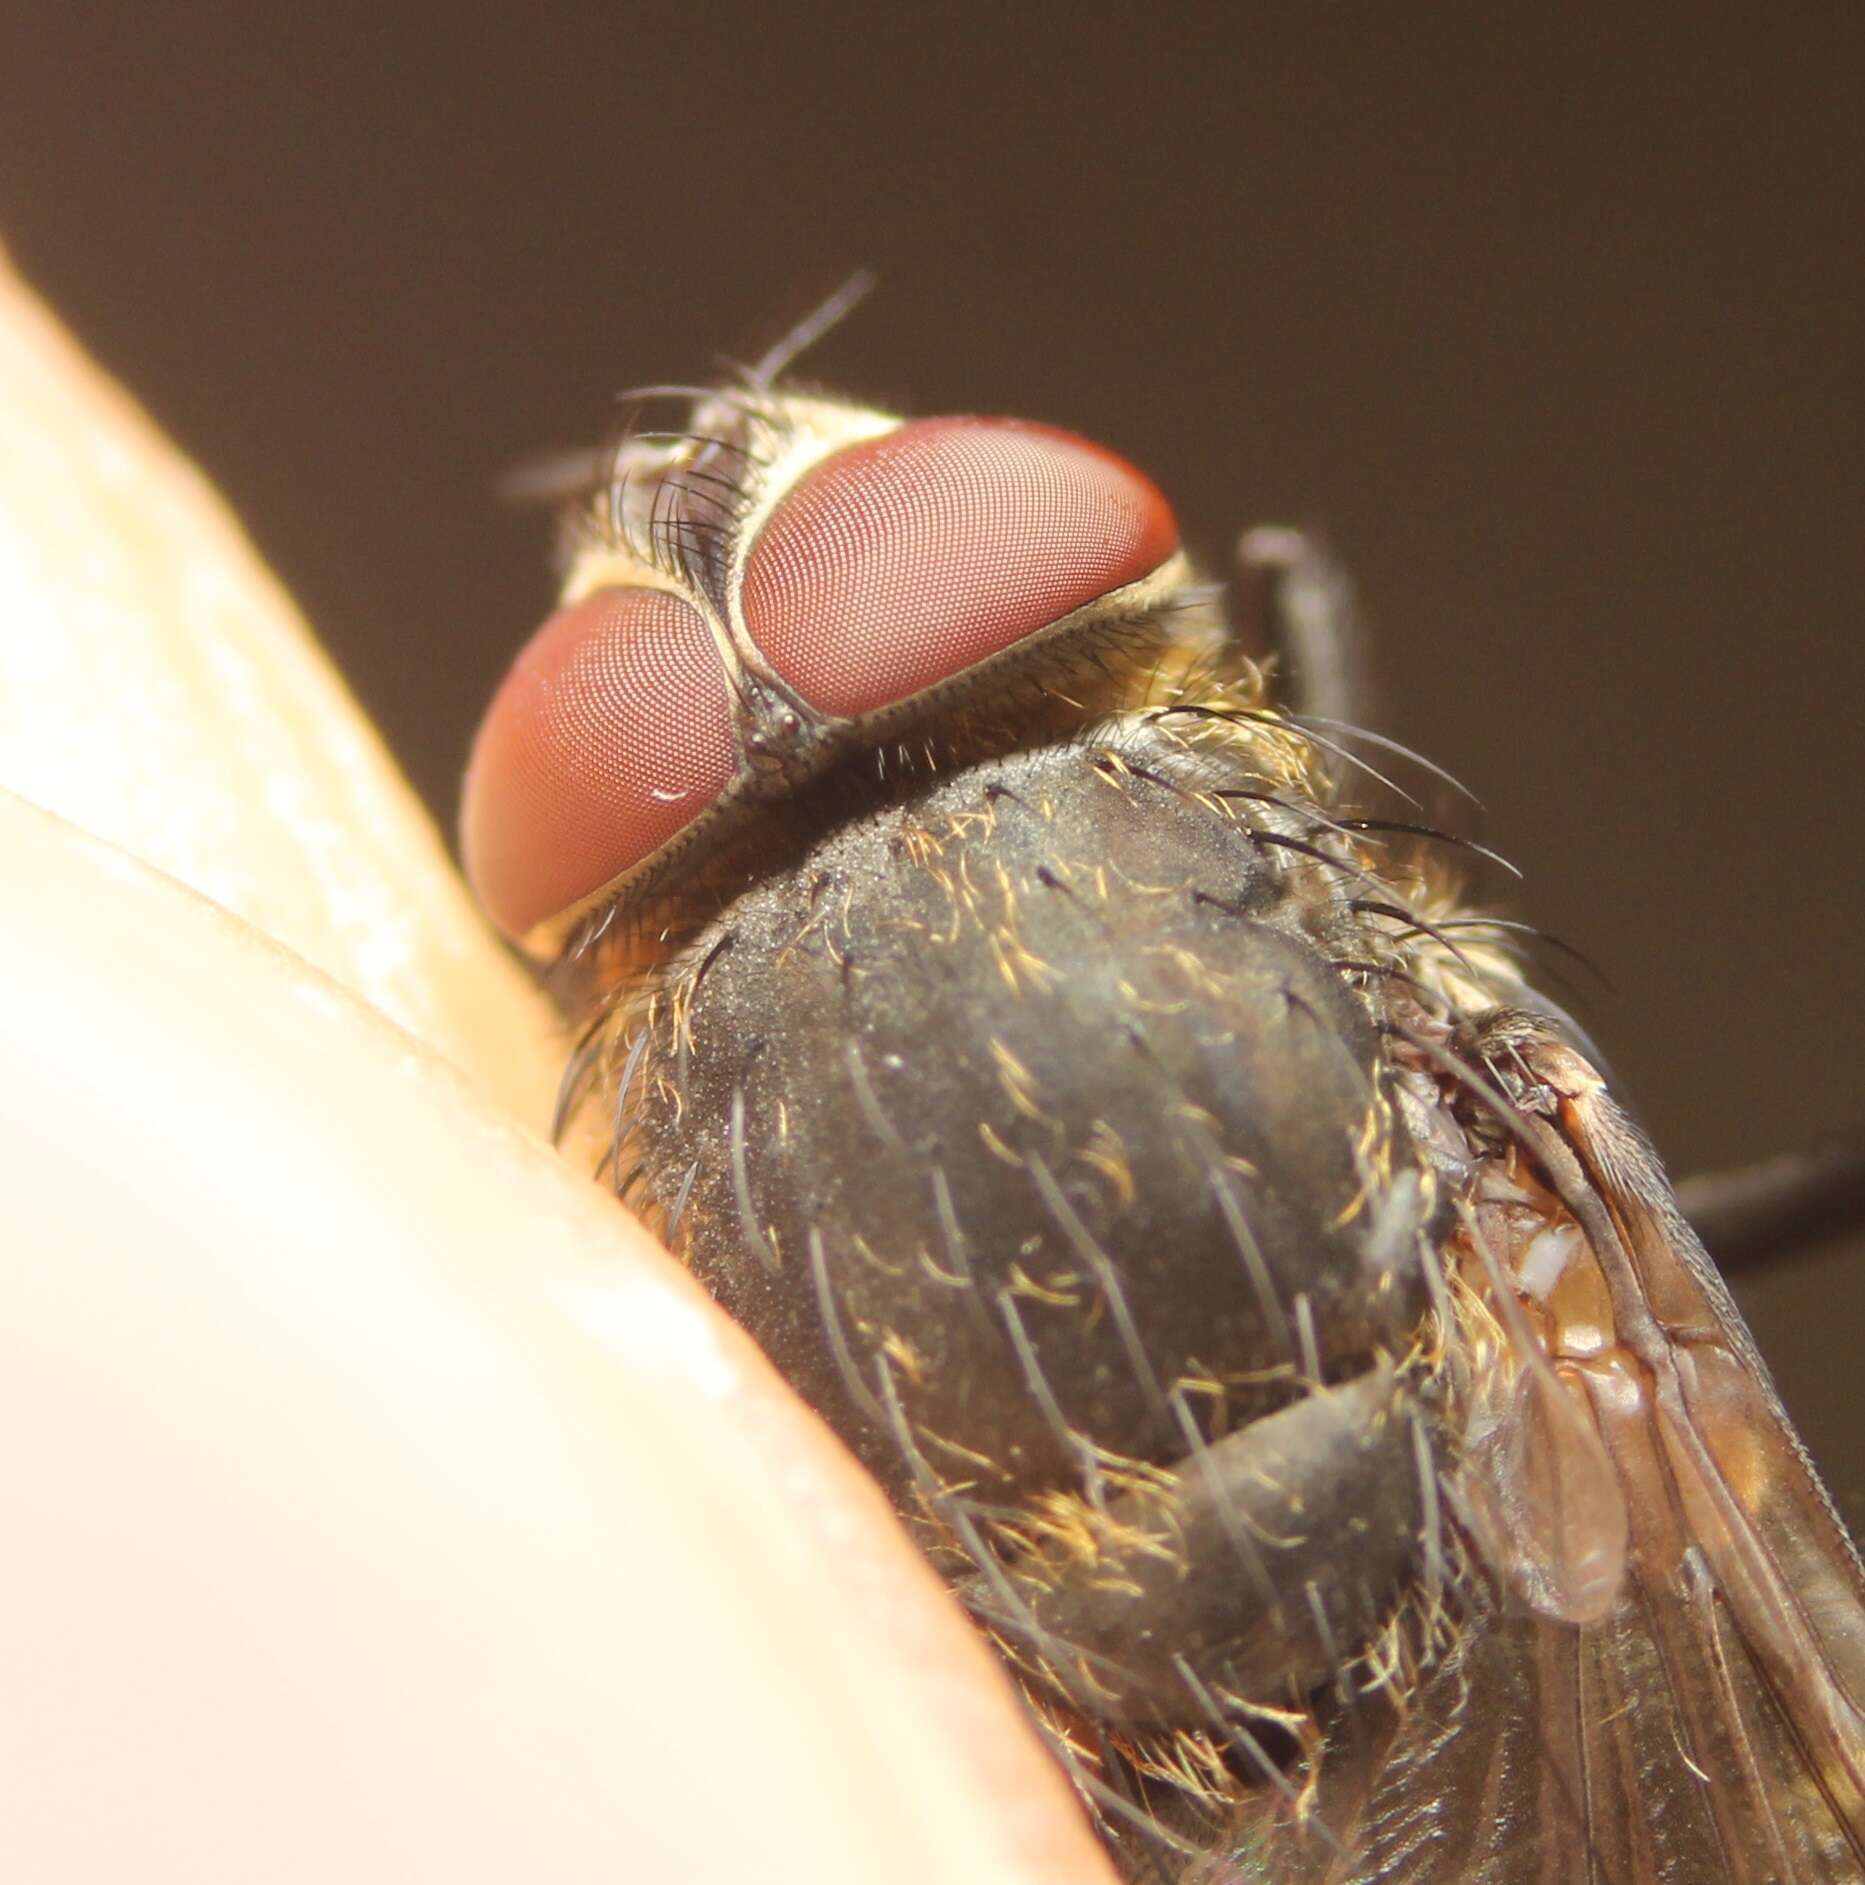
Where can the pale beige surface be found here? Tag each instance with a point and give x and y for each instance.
(158, 688)
(379, 1502)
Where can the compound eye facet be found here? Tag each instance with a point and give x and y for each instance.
(901, 562)
(611, 733)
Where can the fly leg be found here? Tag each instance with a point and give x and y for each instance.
(1251, 1573)
(1291, 599)
(1777, 1208)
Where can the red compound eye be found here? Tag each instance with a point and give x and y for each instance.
(612, 732)
(902, 562)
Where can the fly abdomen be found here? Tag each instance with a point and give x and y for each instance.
(1252, 1570)
(1025, 1123)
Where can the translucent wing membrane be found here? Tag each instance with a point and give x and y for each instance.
(1708, 1727)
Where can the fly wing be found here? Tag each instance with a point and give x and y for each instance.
(1709, 1728)
(1646, 1749)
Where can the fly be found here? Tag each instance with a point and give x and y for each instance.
(1013, 1003)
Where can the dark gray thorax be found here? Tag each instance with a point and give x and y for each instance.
(1027, 1106)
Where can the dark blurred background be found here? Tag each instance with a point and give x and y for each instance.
(1553, 323)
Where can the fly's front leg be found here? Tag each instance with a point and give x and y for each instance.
(1252, 1573)
(1778, 1208)
(1289, 598)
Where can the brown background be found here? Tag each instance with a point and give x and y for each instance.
(1555, 330)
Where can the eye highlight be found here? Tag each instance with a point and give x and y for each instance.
(610, 735)
(897, 564)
